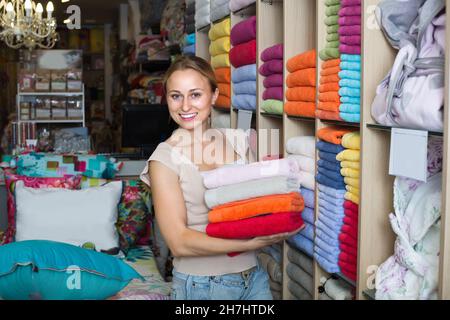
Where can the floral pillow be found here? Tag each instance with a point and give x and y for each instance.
(67, 182)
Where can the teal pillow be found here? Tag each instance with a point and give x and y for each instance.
(49, 270)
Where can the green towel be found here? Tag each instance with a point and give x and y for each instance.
(333, 28)
(332, 44)
(332, 20)
(332, 2)
(329, 53)
(332, 10)
(332, 36)
(272, 106)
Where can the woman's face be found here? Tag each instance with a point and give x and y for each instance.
(190, 98)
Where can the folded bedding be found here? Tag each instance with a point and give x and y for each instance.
(331, 234)
(332, 2)
(301, 109)
(302, 145)
(321, 163)
(275, 93)
(331, 20)
(274, 251)
(244, 31)
(307, 180)
(220, 61)
(245, 87)
(332, 10)
(223, 101)
(256, 227)
(332, 29)
(333, 224)
(335, 217)
(300, 78)
(302, 243)
(351, 221)
(332, 36)
(308, 197)
(349, 155)
(244, 101)
(272, 106)
(326, 146)
(348, 271)
(353, 190)
(306, 94)
(297, 274)
(236, 5)
(350, 83)
(350, 231)
(272, 53)
(298, 292)
(271, 67)
(274, 80)
(220, 46)
(243, 54)
(220, 30)
(223, 75)
(304, 163)
(300, 259)
(305, 60)
(244, 73)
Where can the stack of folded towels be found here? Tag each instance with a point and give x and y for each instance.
(243, 59)
(219, 49)
(252, 200)
(219, 9)
(189, 45)
(350, 88)
(331, 49)
(236, 5)
(331, 190)
(189, 17)
(350, 163)
(329, 98)
(350, 27)
(300, 274)
(272, 70)
(302, 150)
(271, 261)
(301, 83)
(202, 13)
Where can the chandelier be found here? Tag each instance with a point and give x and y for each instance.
(23, 24)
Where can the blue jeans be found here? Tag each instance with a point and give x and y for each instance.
(251, 285)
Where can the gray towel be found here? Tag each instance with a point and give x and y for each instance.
(220, 12)
(298, 275)
(272, 268)
(301, 259)
(298, 292)
(275, 286)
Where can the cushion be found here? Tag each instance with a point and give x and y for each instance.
(39, 269)
(76, 217)
(68, 182)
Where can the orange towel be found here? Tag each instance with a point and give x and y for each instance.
(328, 79)
(306, 94)
(329, 106)
(223, 101)
(302, 61)
(330, 86)
(328, 115)
(305, 77)
(333, 134)
(299, 108)
(330, 71)
(331, 63)
(224, 89)
(244, 209)
(223, 75)
(330, 96)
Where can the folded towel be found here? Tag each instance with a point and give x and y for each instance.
(236, 5)
(352, 197)
(220, 12)
(307, 180)
(350, 249)
(332, 10)
(326, 237)
(349, 108)
(219, 30)
(347, 270)
(269, 264)
(329, 53)
(350, 40)
(334, 78)
(302, 145)
(305, 60)
(275, 93)
(352, 182)
(243, 54)
(351, 221)
(350, 11)
(332, 29)
(272, 106)
(300, 78)
(223, 101)
(332, 44)
(308, 231)
(329, 147)
(223, 75)
(305, 94)
(224, 89)
(348, 3)
(338, 210)
(274, 80)
(332, 2)
(220, 61)
(330, 71)
(350, 117)
(308, 198)
(245, 87)
(329, 101)
(349, 172)
(328, 156)
(244, 101)
(335, 217)
(272, 53)
(300, 259)
(333, 134)
(349, 155)
(202, 16)
(271, 67)
(344, 256)
(350, 83)
(351, 100)
(351, 206)
(253, 207)
(352, 140)
(350, 65)
(332, 260)
(331, 192)
(348, 239)
(351, 58)
(333, 36)
(353, 190)
(256, 227)
(301, 109)
(244, 73)
(349, 49)
(331, 253)
(351, 214)
(308, 215)
(328, 165)
(304, 163)
(220, 46)
(298, 291)
(329, 86)
(189, 39)
(274, 252)
(330, 223)
(300, 276)
(335, 201)
(349, 20)
(329, 64)
(301, 243)
(250, 189)
(331, 20)
(326, 265)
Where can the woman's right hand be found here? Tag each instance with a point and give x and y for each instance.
(260, 242)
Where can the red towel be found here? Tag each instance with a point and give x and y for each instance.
(351, 214)
(351, 205)
(344, 238)
(347, 257)
(349, 249)
(243, 54)
(255, 227)
(352, 232)
(351, 222)
(348, 269)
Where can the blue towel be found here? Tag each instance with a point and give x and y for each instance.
(330, 223)
(336, 217)
(331, 253)
(327, 266)
(352, 100)
(350, 83)
(304, 244)
(308, 215)
(328, 231)
(325, 237)
(329, 147)
(189, 39)
(322, 179)
(336, 201)
(355, 66)
(245, 87)
(244, 101)
(351, 57)
(331, 191)
(328, 165)
(244, 73)
(349, 74)
(350, 117)
(308, 231)
(349, 108)
(308, 197)
(334, 175)
(330, 207)
(189, 50)
(350, 92)
(326, 255)
(328, 156)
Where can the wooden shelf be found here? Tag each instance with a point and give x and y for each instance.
(299, 118)
(387, 128)
(340, 123)
(247, 10)
(273, 115)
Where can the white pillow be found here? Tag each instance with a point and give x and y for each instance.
(69, 216)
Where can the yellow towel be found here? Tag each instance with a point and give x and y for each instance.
(220, 46)
(220, 61)
(351, 197)
(351, 173)
(353, 190)
(354, 182)
(350, 164)
(348, 154)
(219, 30)
(351, 140)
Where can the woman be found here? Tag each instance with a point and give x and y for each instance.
(202, 268)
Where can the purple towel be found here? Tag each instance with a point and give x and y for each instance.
(349, 20)
(275, 93)
(343, 48)
(350, 11)
(271, 67)
(271, 53)
(244, 31)
(347, 3)
(274, 80)
(350, 30)
(350, 40)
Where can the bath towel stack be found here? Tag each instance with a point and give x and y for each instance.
(219, 9)
(329, 98)
(350, 27)
(189, 45)
(219, 49)
(189, 17)
(202, 13)
(272, 70)
(270, 260)
(236, 5)
(350, 88)
(331, 49)
(300, 274)
(243, 59)
(331, 189)
(301, 83)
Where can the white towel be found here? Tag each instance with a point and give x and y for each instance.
(305, 163)
(302, 145)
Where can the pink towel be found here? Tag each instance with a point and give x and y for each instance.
(343, 48)
(350, 11)
(244, 31)
(348, 3)
(275, 93)
(350, 30)
(349, 20)
(274, 80)
(271, 67)
(350, 40)
(271, 53)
